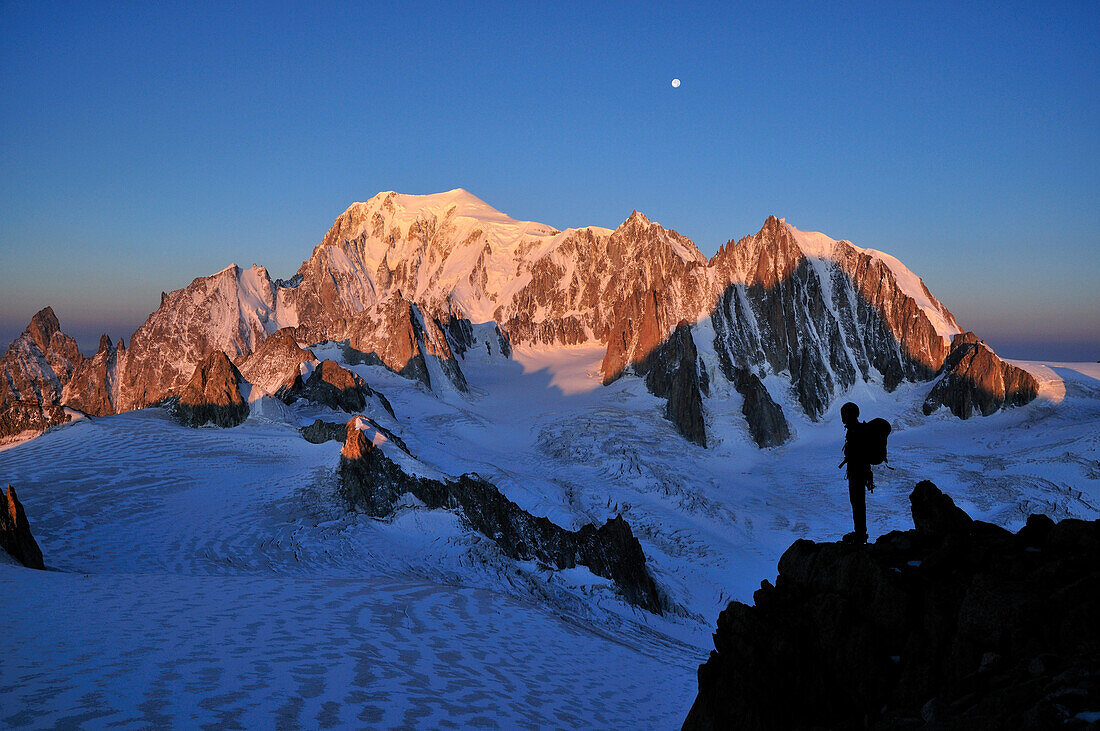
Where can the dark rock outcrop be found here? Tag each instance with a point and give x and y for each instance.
(15, 533)
(767, 425)
(671, 371)
(975, 379)
(373, 483)
(213, 395)
(958, 624)
(321, 431)
(334, 386)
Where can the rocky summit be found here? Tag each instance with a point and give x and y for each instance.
(957, 624)
(33, 373)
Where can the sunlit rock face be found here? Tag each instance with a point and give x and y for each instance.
(93, 388)
(33, 374)
(231, 312)
(825, 314)
(278, 364)
(397, 334)
(402, 280)
(975, 380)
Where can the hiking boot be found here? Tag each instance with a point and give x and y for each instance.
(854, 537)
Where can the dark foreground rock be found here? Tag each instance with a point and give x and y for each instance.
(958, 624)
(213, 395)
(374, 483)
(976, 380)
(15, 533)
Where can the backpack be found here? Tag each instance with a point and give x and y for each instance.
(875, 433)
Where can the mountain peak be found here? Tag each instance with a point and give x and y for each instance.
(454, 202)
(42, 327)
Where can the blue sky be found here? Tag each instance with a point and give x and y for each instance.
(142, 146)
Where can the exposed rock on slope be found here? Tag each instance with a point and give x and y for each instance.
(958, 624)
(671, 371)
(336, 387)
(374, 483)
(15, 533)
(767, 425)
(231, 311)
(321, 431)
(825, 313)
(213, 395)
(326, 431)
(33, 374)
(975, 379)
(93, 387)
(277, 364)
(398, 335)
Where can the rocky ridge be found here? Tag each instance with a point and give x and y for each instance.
(372, 482)
(957, 624)
(334, 386)
(277, 365)
(93, 387)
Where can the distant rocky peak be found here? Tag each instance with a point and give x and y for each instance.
(640, 235)
(42, 328)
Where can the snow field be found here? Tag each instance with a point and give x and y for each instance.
(214, 578)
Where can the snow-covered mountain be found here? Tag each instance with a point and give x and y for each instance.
(401, 280)
(455, 496)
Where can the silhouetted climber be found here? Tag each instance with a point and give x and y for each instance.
(858, 457)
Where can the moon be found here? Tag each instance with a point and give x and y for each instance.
(675, 83)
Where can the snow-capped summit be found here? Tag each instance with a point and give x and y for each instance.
(819, 246)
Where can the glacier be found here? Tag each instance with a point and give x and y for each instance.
(213, 577)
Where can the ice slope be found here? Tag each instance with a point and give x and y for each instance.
(214, 577)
